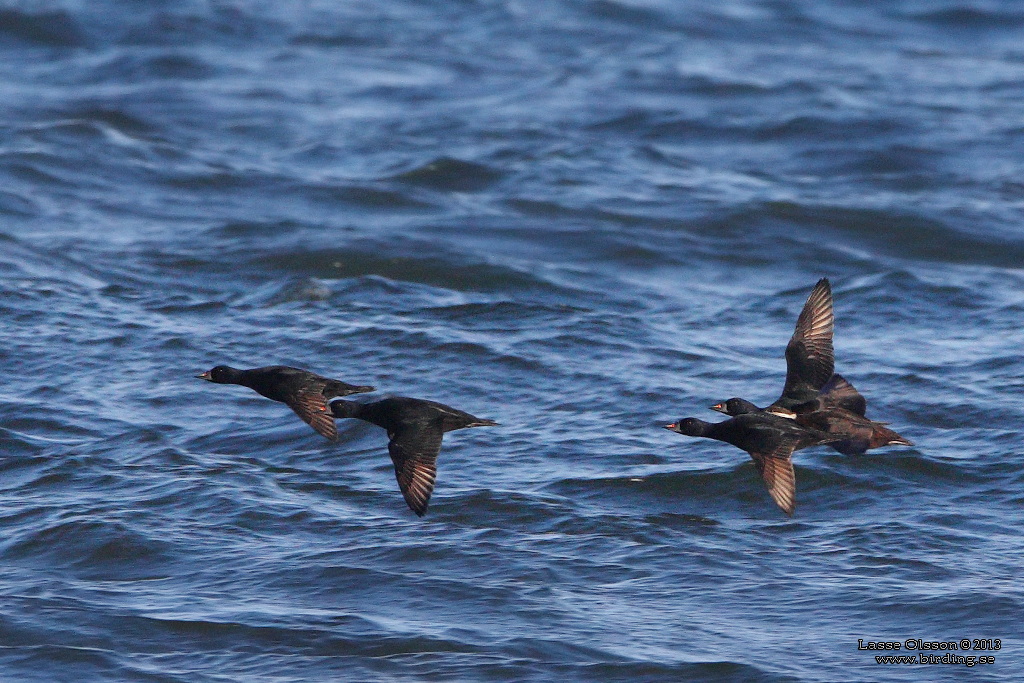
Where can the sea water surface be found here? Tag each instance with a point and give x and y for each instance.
(581, 218)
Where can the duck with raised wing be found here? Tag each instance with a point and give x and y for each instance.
(810, 360)
(838, 410)
(837, 393)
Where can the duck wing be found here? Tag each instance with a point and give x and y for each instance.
(839, 392)
(311, 405)
(414, 450)
(810, 361)
(776, 468)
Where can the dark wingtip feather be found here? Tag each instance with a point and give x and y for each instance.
(415, 457)
(785, 499)
(810, 359)
(776, 469)
(819, 304)
(312, 408)
(328, 432)
(417, 497)
(786, 505)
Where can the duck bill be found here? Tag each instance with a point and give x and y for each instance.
(720, 407)
(206, 375)
(673, 427)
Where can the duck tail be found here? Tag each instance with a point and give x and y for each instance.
(883, 436)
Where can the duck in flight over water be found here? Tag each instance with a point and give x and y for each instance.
(304, 392)
(769, 440)
(814, 396)
(810, 360)
(415, 428)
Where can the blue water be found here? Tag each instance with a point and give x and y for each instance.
(583, 219)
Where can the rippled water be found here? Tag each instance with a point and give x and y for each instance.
(580, 218)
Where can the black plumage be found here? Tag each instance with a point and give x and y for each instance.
(858, 432)
(837, 393)
(415, 428)
(737, 406)
(838, 410)
(769, 440)
(810, 359)
(304, 392)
